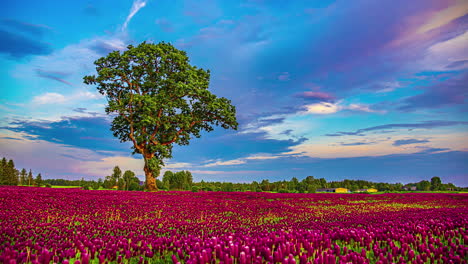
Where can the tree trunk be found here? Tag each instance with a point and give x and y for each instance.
(150, 176)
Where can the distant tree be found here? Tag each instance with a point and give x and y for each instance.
(99, 183)
(293, 184)
(423, 185)
(3, 172)
(128, 178)
(159, 184)
(227, 187)
(8, 174)
(188, 180)
(255, 187)
(436, 184)
(116, 174)
(450, 187)
(181, 180)
(113, 179)
(23, 177)
(311, 188)
(159, 100)
(39, 182)
(96, 184)
(265, 185)
(168, 179)
(30, 178)
(322, 183)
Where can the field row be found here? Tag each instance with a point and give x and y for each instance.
(42, 225)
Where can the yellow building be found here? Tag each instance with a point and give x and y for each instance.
(341, 190)
(334, 190)
(370, 190)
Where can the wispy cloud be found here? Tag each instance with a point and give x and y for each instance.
(402, 142)
(49, 98)
(316, 96)
(422, 125)
(324, 108)
(136, 6)
(444, 16)
(57, 76)
(17, 46)
(449, 93)
(244, 160)
(56, 98)
(36, 30)
(375, 146)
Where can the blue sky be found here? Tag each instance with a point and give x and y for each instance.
(364, 89)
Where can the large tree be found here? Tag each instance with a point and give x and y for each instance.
(158, 99)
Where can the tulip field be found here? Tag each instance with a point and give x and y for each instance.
(45, 225)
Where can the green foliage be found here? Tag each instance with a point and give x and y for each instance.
(131, 181)
(436, 184)
(30, 178)
(181, 180)
(9, 175)
(23, 177)
(39, 182)
(158, 99)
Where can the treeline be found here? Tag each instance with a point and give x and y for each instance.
(183, 180)
(127, 181)
(9, 175)
(311, 184)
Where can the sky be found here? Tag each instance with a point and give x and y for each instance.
(335, 89)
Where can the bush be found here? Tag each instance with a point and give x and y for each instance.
(48, 185)
(194, 189)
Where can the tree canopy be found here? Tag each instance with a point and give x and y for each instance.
(158, 99)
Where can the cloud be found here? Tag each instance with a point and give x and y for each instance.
(73, 61)
(225, 163)
(331, 108)
(136, 6)
(49, 98)
(357, 143)
(402, 142)
(458, 64)
(444, 16)
(240, 161)
(422, 125)
(34, 30)
(104, 166)
(104, 46)
(60, 160)
(18, 46)
(57, 76)
(56, 98)
(446, 55)
(448, 93)
(361, 108)
(316, 96)
(375, 145)
(87, 132)
(322, 108)
(429, 150)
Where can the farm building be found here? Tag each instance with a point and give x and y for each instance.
(370, 190)
(333, 190)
